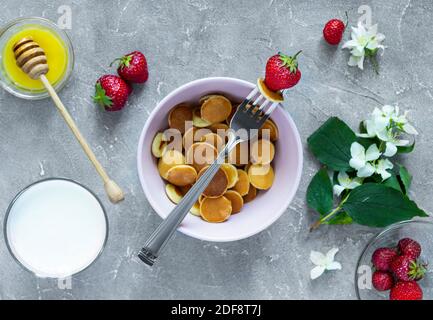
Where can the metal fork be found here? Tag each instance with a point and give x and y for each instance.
(249, 117)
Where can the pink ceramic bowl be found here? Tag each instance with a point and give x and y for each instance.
(256, 215)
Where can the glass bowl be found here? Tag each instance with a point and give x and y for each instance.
(11, 29)
(420, 230)
(73, 260)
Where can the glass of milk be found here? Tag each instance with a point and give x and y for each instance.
(55, 228)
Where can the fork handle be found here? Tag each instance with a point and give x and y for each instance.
(166, 229)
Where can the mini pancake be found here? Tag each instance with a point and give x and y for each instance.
(273, 130)
(192, 135)
(205, 97)
(200, 132)
(182, 175)
(201, 154)
(188, 137)
(239, 156)
(267, 93)
(195, 209)
(158, 145)
(198, 121)
(173, 139)
(218, 185)
(234, 108)
(201, 198)
(184, 189)
(261, 176)
(179, 115)
(216, 209)
(221, 129)
(214, 140)
(216, 109)
(251, 195)
(232, 174)
(218, 126)
(262, 151)
(173, 193)
(169, 159)
(242, 186)
(236, 200)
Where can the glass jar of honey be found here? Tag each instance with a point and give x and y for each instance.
(58, 49)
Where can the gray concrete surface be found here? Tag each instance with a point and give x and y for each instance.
(183, 41)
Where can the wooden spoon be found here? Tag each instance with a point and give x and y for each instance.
(31, 58)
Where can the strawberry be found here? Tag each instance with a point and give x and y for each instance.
(111, 92)
(406, 291)
(282, 72)
(406, 268)
(382, 258)
(409, 248)
(382, 280)
(133, 67)
(333, 31)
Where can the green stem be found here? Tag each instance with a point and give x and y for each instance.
(347, 20)
(329, 215)
(374, 64)
(382, 146)
(296, 54)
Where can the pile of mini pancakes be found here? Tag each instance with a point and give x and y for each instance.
(191, 143)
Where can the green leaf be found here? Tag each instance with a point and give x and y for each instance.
(393, 182)
(362, 128)
(331, 144)
(335, 178)
(377, 205)
(340, 218)
(100, 96)
(319, 193)
(406, 178)
(367, 142)
(406, 149)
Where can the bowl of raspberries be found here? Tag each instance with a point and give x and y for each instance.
(394, 264)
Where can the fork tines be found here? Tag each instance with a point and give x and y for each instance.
(255, 102)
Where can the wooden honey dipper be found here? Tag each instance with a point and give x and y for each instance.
(31, 58)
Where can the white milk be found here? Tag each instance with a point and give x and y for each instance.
(56, 228)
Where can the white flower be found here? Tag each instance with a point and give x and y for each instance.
(363, 38)
(382, 166)
(387, 114)
(409, 129)
(323, 262)
(360, 159)
(372, 126)
(392, 142)
(345, 182)
(381, 119)
(387, 124)
(391, 115)
(390, 149)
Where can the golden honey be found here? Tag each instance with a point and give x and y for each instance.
(55, 50)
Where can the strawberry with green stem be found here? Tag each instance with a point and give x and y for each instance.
(282, 72)
(133, 67)
(407, 269)
(111, 92)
